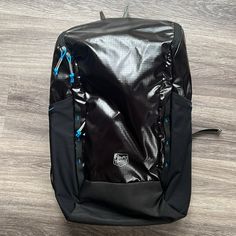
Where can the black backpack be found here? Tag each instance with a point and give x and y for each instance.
(120, 122)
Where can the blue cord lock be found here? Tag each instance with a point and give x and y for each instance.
(78, 133)
(55, 71)
(72, 78)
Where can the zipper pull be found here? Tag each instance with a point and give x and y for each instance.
(63, 53)
(78, 132)
(71, 75)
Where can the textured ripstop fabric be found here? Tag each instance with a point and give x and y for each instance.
(124, 69)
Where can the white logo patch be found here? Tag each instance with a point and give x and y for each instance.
(120, 159)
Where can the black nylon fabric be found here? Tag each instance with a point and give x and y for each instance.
(62, 153)
(132, 163)
(123, 204)
(178, 178)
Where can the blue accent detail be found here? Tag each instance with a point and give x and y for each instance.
(72, 78)
(167, 142)
(78, 133)
(50, 109)
(63, 52)
(78, 161)
(166, 120)
(55, 71)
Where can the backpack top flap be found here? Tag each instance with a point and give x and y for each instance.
(120, 122)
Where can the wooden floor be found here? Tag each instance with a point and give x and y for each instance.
(28, 31)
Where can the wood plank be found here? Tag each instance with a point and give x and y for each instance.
(28, 32)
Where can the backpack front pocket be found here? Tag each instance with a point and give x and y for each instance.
(178, 171)
(112, 151)
(61, 125)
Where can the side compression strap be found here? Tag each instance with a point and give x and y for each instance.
(216, 131)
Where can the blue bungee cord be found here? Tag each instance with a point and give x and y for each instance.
(63, 53)
(71, 75)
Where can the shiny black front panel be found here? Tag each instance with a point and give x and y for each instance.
(125, 68)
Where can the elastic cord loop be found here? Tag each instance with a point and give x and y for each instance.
(63, 53)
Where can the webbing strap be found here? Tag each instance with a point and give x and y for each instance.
(215, 131)
(102, 16)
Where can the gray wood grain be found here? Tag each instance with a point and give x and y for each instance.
(28, 31)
